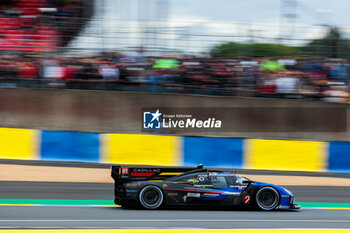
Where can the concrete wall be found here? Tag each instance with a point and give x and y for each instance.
(120, 112)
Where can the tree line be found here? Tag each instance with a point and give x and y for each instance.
(332, 45)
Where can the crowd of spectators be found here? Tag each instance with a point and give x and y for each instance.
(305, 77)
(31, 31)
(38, 25)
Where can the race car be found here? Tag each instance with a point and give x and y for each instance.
(156, 187)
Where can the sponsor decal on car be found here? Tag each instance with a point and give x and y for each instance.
(132, 184)
(142, 174)
(246, 199)
(193, 194)
(172, 194)
(125, 171)
(201, 178)
(239, 187)
(147, 170)
(210, 195)
(231, 193)
(192, 190)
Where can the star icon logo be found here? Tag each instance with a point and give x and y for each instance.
(156, 115)
(151, 119)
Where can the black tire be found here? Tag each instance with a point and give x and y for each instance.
(267, 198)
(151, 197)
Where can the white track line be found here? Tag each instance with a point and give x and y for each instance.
(178, 220)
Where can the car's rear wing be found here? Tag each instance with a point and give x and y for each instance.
(124, 174)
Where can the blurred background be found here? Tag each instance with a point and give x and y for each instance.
(75, 76)
(270, 48)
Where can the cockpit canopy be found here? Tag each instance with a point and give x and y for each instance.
(215, 179)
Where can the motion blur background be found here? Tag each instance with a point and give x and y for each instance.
(271, 48)
(120, 56)
(75, 75)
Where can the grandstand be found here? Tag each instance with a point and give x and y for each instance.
(40, 25)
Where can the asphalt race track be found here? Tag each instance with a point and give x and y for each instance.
(114, 217)
(76, 190)
(33, 217)
(111, 217)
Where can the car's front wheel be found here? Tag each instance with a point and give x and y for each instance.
(267, 198)
(151, 197)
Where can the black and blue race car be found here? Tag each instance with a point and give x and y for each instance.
(156, 187)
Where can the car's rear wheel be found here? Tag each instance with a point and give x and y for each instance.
(267, 198)
(151, 197)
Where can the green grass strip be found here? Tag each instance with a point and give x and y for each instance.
(55, 202)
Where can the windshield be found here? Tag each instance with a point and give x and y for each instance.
(186, 177)
(212, 178)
